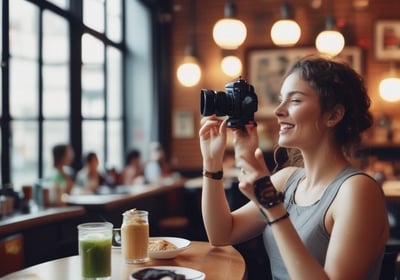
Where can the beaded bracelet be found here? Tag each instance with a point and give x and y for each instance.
(274, 221)
(279, 219)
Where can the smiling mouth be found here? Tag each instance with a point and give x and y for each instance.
(285, 127)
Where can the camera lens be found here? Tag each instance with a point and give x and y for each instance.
(206, 102)
(212, 102)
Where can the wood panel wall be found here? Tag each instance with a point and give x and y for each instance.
(259, 15)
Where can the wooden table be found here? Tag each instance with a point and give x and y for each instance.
(391, 188)
(218, 263)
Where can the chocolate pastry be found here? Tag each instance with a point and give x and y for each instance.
(156, 274)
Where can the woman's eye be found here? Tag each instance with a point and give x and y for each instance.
(295, 100)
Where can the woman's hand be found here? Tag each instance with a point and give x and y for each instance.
(213, 142)
(249, 158)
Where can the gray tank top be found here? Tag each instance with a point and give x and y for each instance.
(309, 223)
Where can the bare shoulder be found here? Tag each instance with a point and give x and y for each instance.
(360, 196)
(358, 225)
(361, 186)
(280, 178)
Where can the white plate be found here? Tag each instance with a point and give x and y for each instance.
(190, 274)
(181, 244)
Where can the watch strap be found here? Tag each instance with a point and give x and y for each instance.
(266, 193)
(213, 175)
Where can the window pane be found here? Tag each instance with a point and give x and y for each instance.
(23, 29)
(55, 66)
(114, 149)
(114, 20)
(92, 77)
(93, 139)
(1, 53)
(23, 94)
(92, 93)
(114, 83)
(54, 132)
(93, 14)
(24, 154)
(55, 38)
(56, 102)
(92, 50)
(61, 3)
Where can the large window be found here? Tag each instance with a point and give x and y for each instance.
(48, 103)
(102, 114)
(24, 90)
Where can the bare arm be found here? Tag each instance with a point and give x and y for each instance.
(222, 226)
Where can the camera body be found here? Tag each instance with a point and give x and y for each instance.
(239, 102)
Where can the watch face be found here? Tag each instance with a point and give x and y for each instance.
(266, 193)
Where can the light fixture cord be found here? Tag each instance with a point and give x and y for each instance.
(190, 48)
(330, 23)
(285, 10)
(230, 9)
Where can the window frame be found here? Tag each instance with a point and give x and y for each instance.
(73, 15)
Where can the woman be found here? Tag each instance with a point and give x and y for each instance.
(89, 178)
(325, 220)
(133, 170)
(62, 174)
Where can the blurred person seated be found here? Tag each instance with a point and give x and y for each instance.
(89, 178)
(158, 168)
(133, 172)
(62, 174)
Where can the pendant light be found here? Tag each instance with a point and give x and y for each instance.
(229, 32)
(389, 88)
(330, 41)
(231, 65)
(285, 32)
(189, 72)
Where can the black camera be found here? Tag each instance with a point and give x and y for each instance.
(239, 102)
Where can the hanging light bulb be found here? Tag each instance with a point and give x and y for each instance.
(231, 66)
(389, 88)
(229, 32)
(330, 42)
(189, 72)
(285, 32)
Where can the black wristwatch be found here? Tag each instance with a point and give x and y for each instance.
(266, 193)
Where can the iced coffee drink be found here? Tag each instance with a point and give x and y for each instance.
(135, 236)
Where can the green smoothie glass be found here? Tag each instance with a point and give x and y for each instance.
(95, 250)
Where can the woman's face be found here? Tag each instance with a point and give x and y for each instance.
(299, 114)
(69, 156)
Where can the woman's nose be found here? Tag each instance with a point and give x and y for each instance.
(279, 110)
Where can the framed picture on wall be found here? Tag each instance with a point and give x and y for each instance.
(183, 124)
(387, 39)
(265, 68)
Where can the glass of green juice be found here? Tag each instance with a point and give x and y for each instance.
(95, 250)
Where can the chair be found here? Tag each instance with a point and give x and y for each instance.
(389, 262)
(175, 222)
(173, 226)
(11, 254)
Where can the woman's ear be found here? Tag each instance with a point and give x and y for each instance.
(335, 115)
